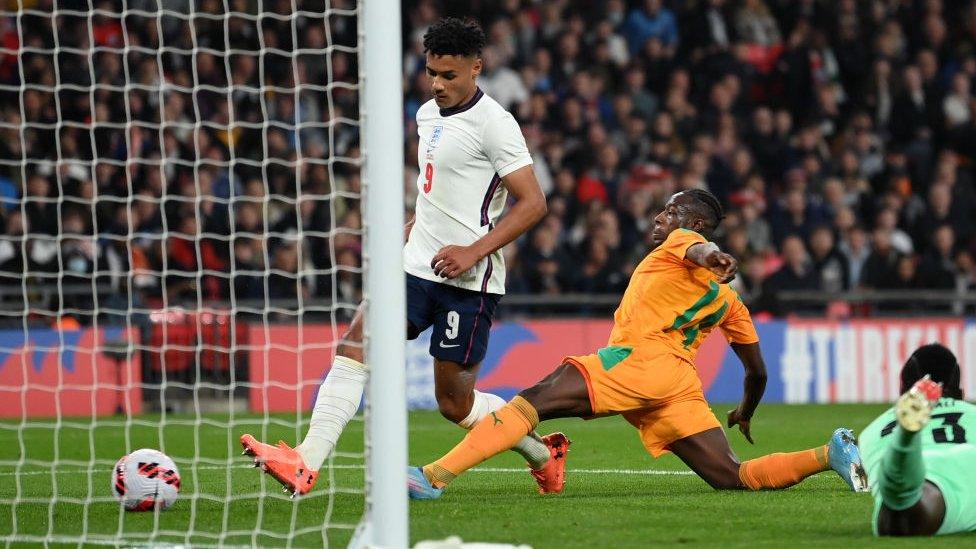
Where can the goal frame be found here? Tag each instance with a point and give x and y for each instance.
(385, 519)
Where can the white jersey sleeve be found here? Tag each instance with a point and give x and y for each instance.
(463, 154)
(505, 145)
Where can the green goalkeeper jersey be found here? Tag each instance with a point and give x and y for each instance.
(948, 451)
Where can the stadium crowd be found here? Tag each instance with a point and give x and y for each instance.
(839, 135)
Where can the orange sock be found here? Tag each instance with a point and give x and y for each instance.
(495, 433)
(782, 470)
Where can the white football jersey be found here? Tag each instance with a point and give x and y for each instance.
(463, 153)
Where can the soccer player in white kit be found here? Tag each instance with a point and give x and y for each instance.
(471, 156)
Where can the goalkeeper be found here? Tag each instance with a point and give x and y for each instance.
(919, 455)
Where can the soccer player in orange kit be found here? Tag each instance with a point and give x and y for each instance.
(646, 373)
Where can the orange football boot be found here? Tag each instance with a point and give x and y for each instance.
(283, 463)
(552, 476)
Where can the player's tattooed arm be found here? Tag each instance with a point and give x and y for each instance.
(529, 208)
(709, 255)
(753, 388)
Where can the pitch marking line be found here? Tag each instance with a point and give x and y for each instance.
(633, 472)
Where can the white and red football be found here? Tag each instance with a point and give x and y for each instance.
(146, 479)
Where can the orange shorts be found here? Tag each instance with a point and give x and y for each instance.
(660, 394)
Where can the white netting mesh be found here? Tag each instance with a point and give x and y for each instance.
(179, 247)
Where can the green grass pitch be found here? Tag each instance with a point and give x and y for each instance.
(616, 495)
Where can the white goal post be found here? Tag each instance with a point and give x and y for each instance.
(385, 522)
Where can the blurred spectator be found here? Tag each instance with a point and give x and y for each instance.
(937, 269)
(499, 81)
(965, 279)
(888, 220)
(881, 267)
(912, 110)
(939, 213)
(797, 273)
(652, 20)
(285, 281)
(596, 274)
(546, 265)
(760, 239)
(348, 277)
(856, 250)
(748, 281)
(756, 25)
(956, 105)
(795, 216)
(907, 274)
(710, 33)
(829, 265)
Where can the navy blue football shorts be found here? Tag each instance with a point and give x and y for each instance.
(461, 319)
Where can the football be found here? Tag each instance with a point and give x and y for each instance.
(145, 480)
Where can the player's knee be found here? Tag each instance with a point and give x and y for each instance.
(726, 484)
(351, 344)
(352, 351)
(559, 395)
(723, 479)
(542, 400)
(454, 408)
(531, 394)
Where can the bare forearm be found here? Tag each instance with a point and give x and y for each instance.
(522, 217)
(754, 384)
(753, 388)
(709, 256)
(698, 253)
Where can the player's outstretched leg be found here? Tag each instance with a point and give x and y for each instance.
(562, 393)
(709, 455)
(902, 468)
(453, 382)
(545, 456)
(493, 435)
(335, 404)
(498, 432)
(782, 470)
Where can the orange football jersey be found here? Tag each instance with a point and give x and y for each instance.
(673, 302)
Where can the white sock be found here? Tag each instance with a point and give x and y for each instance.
(530, 447)
(337, 401)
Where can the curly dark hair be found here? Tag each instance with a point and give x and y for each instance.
(937, 361)
(709, 206)
(453, 36)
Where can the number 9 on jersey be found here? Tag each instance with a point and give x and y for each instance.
(428, 177)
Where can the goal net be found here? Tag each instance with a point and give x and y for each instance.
(182, 240)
